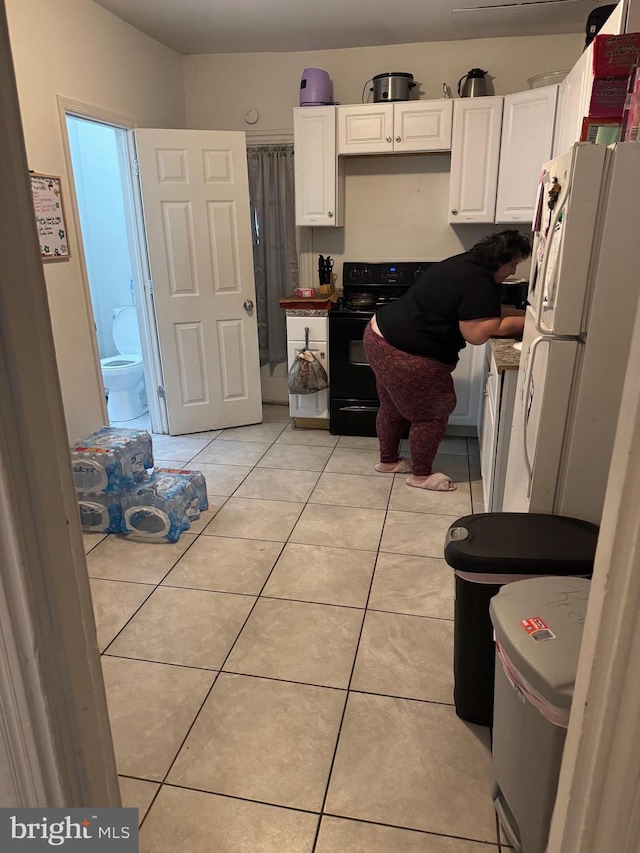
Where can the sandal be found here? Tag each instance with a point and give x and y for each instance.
(399, 467)
(434, 482)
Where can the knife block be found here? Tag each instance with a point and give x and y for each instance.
(327, 289)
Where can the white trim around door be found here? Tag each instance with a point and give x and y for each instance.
(138, 251)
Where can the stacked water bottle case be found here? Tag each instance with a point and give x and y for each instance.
(119, 490)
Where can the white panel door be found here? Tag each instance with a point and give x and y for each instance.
(422, 126)
(575, 96)
(468, 378)
(365, 129)
(489, 429)
(309, 405)
(527, 138)
(195, 198)
(319, 176)
(475, 150)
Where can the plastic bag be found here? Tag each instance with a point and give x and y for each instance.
(306, 374)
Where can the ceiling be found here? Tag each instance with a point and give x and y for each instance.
(275, 26)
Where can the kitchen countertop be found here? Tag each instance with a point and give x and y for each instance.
(506, 357)
(308, 306)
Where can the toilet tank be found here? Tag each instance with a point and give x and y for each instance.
(126, 334)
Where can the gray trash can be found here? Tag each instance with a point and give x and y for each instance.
(487, 550)
(538, 632)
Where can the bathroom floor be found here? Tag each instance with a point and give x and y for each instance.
(280, 679)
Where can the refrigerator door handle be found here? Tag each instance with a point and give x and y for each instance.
(541, 283)
(527, 402)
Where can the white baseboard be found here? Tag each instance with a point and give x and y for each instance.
(274, 388)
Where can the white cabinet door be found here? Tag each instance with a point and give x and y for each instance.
(411, 126)
(309, 405)
(422, 126)
(365, 129)
(575, 95)
(468, 381)
(497, 414)
(489, 429)
(319, 183)
(475, 150)
(527, 139)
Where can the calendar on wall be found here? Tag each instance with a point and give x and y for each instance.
(52, 228)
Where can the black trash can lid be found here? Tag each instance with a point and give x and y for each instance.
(521, 543)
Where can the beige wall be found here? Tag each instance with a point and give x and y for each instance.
(76, 49)
(396, 206)
(219, 89)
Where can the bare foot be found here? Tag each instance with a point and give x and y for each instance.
(399, 467)
(434, 482)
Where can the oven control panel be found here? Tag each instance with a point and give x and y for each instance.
(392, 273)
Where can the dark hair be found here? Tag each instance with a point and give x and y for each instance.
(501, 248)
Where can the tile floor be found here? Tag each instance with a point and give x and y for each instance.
(280, 679)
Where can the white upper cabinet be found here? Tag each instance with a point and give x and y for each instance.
(319, 183)
(573, 104)
(365, 129)
(475, 152)
(422, 126)
(527, 139)
(575, 90)
(408, 126)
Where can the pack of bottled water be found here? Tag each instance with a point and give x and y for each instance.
(100, 512)
(195, 490)
(163, 506)
(111, 459)
(119, 493)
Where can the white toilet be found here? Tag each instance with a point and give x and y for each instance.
(123, 375)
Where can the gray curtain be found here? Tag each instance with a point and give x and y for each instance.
(275, 259)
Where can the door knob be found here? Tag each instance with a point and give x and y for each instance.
(248, 305)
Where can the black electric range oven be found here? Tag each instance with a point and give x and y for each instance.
(353, 400)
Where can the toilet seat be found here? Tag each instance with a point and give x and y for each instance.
(120, 362)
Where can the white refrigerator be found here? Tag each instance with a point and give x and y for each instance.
(583, 298)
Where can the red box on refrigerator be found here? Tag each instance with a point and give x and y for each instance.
(615, 56)
(607, 98)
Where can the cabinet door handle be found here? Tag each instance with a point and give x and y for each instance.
(454, 212)
(398, 139)
(389, 139)
(330, 214)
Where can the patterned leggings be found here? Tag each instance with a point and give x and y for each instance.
(413, 390)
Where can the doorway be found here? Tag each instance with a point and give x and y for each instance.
(100, 154)
(192, 264)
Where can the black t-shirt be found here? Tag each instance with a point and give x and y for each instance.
(425, 320)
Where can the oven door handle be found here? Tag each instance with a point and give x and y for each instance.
(358, 408)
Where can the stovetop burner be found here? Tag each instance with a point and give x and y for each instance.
(369, 286)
